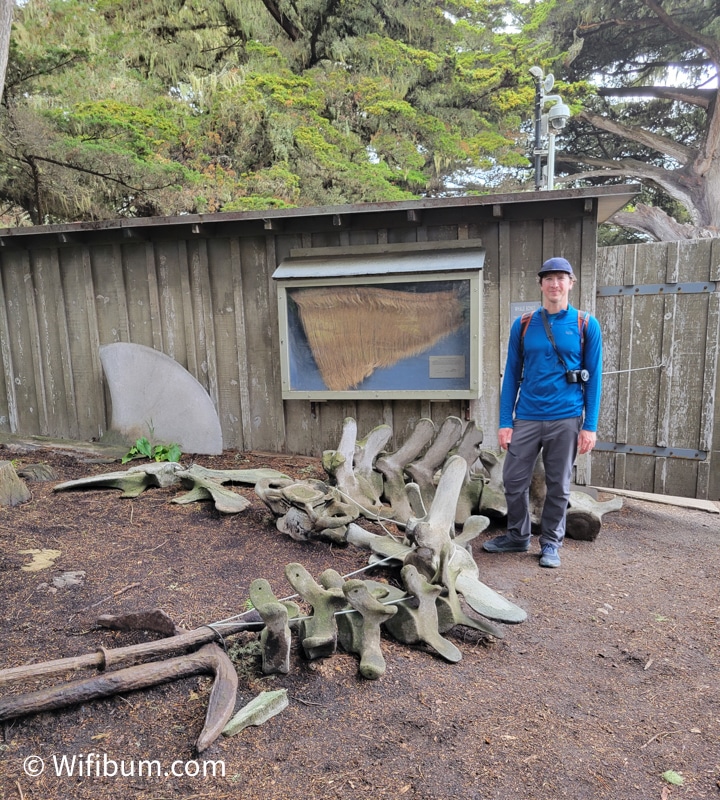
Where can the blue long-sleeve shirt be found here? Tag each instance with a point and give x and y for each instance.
(543, 392)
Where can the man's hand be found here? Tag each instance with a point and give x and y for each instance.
(586, 442)
(504, 437)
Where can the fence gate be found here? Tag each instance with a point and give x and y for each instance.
(659, 308)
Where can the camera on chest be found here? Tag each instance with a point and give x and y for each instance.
(577, 376)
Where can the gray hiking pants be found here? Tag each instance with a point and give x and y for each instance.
(558, 440)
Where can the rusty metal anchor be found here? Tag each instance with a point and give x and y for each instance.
(210, 659)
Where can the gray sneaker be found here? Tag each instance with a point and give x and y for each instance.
(549, 556)
(506, 544)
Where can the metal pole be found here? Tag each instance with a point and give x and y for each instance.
(538, 130)
(550, 182)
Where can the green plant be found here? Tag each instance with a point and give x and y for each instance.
(158, 452)
(246, 654)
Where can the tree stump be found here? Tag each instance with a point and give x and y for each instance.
(13, 491)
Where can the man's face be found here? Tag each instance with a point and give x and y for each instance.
(555, 287)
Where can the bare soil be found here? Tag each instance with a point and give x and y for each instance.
(612, 681)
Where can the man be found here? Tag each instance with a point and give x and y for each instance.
(550, 401)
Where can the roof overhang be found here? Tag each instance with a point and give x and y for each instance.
(604, 201)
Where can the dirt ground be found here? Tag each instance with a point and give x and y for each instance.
(612, 682)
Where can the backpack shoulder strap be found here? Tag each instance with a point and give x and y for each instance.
(583, 318)
(524, 322)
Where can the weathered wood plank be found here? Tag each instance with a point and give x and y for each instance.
(709, 474)
(71, 352)
(134, 266)
(197, 276)
(624, 364)
(277, 418)
(235, 405)
(405, 417)
(584, 298)
(188, 333)
(500, 293)
(221, 285)
(680, 475)
(53, 368)
(175, 307)
(205, 321)
(34, 339)
(8, 405)
(20, 318)
(153, 298)
(709, 428)
(110, 299)
(264, 392)
(551, 243)
(665, 375)
(587, 268)
(484, 412)
(86, 354)
(615, 266)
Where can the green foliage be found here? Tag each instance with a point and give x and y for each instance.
(142, 131)
(159, 452)
(121, 108)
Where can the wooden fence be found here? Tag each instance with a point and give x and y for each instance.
(659, 306)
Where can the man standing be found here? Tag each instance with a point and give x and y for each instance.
(550, 401)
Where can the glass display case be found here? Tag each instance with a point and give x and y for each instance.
(385, 325)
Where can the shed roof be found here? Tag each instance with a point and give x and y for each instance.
(516, 205)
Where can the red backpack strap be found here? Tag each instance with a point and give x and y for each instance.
(583, 318)
(524, 322)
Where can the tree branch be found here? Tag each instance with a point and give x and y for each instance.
(709, 45)
(631, 168)
(694, 97)
(31, 159)
(656, 223)
(28, 76)
(294, 33)
(662, 144)
(588, 28)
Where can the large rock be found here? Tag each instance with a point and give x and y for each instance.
(13, 491)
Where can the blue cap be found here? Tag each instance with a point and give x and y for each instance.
(556, 265)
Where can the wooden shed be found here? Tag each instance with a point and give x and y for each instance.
(200, 289)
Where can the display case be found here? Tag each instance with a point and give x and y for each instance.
(389, 324)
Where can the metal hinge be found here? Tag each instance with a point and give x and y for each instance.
(659, 452)
(699, 287)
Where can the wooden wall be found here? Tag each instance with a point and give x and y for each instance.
(204, 295)
(202, 292)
